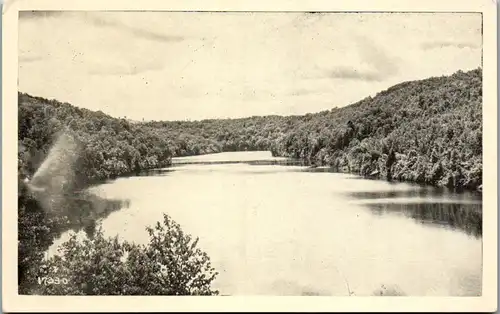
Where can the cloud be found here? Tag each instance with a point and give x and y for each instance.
(138, 32)
(382, 65)
(39, 14)
(301, 92)
(347, 73)
(444, 44)
(310, 64)
(95, 19)
(28, 59)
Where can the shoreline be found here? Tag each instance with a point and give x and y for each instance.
(289, 161)
(282, 160)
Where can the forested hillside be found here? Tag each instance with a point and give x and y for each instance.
(427, 131)
(109, 147)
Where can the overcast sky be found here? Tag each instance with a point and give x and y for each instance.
(177, 66)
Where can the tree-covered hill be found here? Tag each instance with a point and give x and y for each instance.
(427, 131)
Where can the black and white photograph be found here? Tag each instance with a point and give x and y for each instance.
(250, 153)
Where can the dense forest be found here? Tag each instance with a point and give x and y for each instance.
(427, 131)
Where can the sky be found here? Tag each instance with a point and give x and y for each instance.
(198, 65)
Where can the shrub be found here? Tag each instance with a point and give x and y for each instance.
(170, 264)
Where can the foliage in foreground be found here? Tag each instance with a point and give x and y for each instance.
(427, 131)
(36, 233)
(39, 225)
(170, 264)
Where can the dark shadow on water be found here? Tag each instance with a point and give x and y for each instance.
(442, 207)
(418, 192)
(248, 162)
(302, 166)
(84, 209)
(430, 205)
(153, 172)
(459, 216)
(287, 162)
(319, 170)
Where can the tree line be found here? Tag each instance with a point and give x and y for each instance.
(427, 131)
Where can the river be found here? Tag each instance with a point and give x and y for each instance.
(274, 228)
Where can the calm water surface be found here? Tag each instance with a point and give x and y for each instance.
(289, 230)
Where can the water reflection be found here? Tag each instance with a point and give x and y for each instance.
(257, 162)
(154, 172)
(425, 204)
(311, 240)
(437, 206)
(85, 209)
(418, 192)
(460, 216)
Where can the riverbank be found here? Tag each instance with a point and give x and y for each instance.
(427, 131)
(399, 171)
(307, 220)
(375, 170)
